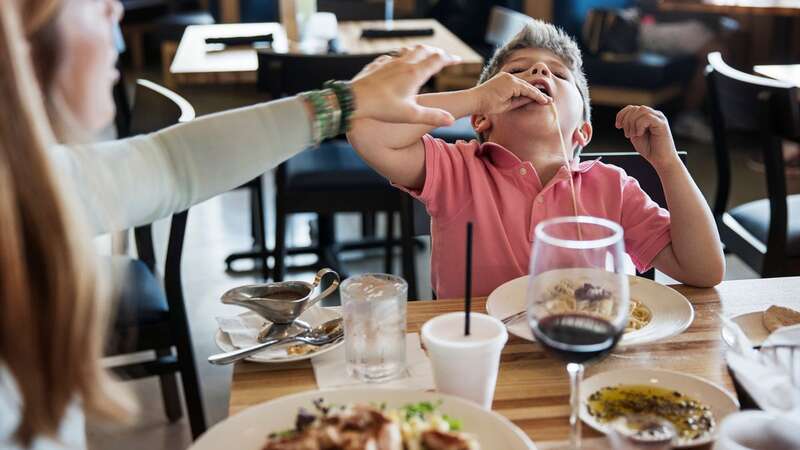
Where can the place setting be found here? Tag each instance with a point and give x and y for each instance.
(402, 390)
(378, 384)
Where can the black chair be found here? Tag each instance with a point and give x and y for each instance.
(419, 222)
(332, 178)
(152, 317)
(764, 233)
(163, 20)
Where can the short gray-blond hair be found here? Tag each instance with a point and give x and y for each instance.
(542, 35)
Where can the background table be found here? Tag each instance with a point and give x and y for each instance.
(193, 64)
(533, 388)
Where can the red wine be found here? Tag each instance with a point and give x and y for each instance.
(577, 337)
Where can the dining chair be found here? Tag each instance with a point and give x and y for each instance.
(164, 20)
(764, 233)
(151, 316)
(329, 179)
(419, 222)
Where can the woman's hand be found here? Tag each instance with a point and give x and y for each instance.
(648, 131)
(504, 92)
(386, 89)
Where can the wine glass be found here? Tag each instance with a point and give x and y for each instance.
(578, 295)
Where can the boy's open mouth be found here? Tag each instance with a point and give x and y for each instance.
(542, 86)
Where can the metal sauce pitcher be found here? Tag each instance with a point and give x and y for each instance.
(282, 302)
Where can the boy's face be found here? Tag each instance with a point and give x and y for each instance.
(550, 74)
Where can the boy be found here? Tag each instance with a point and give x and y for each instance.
(516, 176)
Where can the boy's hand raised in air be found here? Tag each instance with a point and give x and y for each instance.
(505, 92)
(648, 130)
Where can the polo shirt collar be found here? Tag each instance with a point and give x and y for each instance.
(503, 158)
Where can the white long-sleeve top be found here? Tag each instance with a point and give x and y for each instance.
(135, 181)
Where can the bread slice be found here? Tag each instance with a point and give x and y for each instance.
(779, 316)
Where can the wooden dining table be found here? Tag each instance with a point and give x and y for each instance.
(532, 387)
(197, 63)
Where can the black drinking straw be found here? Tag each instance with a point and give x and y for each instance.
(468, 289)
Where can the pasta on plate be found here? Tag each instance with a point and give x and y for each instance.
(568, 296)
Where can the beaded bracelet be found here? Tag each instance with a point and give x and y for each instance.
(332, 104)
(327, 115)
(344, 93)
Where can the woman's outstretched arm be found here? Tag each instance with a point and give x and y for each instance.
(135, 181)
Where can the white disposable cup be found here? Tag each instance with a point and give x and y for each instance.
(465, 366)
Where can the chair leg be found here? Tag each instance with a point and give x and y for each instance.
(388, 249)
(169, 391)
(409, 251)
(259, 227)
(279, 254)
(190, 379)
(368, 224)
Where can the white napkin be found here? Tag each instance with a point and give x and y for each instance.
(330, 369)
(243, 330)
(766, 378)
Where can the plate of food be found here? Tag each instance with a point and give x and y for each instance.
(287, 352)
(657, 311)
(694, 406)
(375, 418)
(758, 325)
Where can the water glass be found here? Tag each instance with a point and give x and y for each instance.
(374, 309)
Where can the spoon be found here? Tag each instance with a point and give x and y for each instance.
(325, 333)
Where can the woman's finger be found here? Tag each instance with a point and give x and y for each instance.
(433, 63)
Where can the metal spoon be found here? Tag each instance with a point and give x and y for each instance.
(325, 333)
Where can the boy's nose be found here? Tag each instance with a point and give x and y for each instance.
(540, 68)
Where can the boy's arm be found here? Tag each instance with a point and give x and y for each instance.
(695, 255)
(396, 150)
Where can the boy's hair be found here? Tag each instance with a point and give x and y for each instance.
(545, 36)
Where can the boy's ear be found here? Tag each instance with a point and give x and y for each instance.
(582, 135)
(480, 123)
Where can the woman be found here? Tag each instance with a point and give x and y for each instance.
(56, 73)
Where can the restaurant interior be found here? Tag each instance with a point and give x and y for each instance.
(724, 75)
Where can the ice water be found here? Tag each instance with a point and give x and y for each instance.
(374, 309)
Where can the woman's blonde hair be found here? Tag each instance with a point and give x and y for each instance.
(52, 314)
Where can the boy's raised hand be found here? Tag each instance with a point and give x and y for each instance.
(505, 92)
(648, 131)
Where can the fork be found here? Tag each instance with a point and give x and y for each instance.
(513, 318)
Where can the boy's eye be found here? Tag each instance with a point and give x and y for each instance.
(561, 75)
(516, 70)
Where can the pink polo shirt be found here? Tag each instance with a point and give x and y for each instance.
(504, 198)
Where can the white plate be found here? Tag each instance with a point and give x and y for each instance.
(716, 398)
(248, 430)
(313, 316)
(672, 312)
(752, 325)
